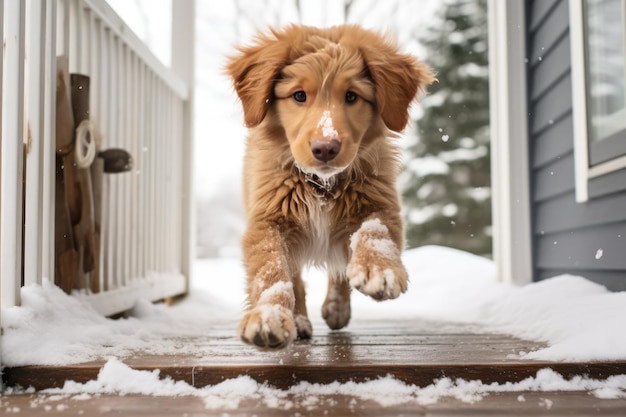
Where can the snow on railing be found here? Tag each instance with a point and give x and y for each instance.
(137, 105)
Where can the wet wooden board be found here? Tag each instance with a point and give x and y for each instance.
(413, 351)
(519, 404)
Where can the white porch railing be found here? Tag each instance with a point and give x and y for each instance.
(138, 105)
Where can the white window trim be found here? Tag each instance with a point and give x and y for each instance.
(509, 142)
(583, 171)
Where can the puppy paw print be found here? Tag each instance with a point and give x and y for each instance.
(375, 267)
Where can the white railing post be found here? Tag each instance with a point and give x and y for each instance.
(12, 152)
(48, 138)
(183, 64)
(39, 106)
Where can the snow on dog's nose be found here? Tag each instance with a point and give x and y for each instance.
(327, 147)
(326, 122)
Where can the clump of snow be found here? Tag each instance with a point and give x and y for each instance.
(52, 328)
(326, 122)
(277, 290)
(370, 234)
(117, 378)
(271, 315)
(373, 226)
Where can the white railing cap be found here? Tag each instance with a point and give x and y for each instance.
(121, 29)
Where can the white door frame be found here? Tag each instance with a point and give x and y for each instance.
(509, 141)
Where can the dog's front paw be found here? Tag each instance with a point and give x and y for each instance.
(268, 326)
(381, 281)
(375, 267)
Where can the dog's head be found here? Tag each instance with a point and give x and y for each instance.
(329, 89)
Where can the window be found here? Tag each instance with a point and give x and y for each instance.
(599, 98)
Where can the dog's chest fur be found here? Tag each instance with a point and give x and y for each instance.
(321, 216)
(324, 249)
(321, 220)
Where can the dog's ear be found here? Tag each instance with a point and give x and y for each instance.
(398, 78)
(254, 72)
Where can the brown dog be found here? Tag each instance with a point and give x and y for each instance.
(322, 106)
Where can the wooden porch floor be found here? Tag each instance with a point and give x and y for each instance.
(413, 351)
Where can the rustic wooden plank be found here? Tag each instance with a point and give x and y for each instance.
(286, 375)
(515, 404)
(422, 375)
(413, 351)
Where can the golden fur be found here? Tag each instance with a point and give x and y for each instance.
(308, 93)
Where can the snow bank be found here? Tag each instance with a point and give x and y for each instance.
(117, 378)
(52, 328)
(577, 318)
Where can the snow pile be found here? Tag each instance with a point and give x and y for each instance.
(117, 378)
(576, 317)
(51, 328)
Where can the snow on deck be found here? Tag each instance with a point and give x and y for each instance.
(456, 333)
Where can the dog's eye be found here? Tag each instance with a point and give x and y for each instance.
(299, 96)
(351, 97)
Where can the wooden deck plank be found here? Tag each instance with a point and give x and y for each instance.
(413, 351)
(511, 404)
(285, 376)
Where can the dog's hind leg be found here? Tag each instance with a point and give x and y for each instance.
(303, 324)
(336, 307)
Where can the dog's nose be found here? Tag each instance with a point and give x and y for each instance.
(325, 150)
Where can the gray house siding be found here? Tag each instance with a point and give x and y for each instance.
(587, 239)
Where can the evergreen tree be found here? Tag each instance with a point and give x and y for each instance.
(447, 184)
